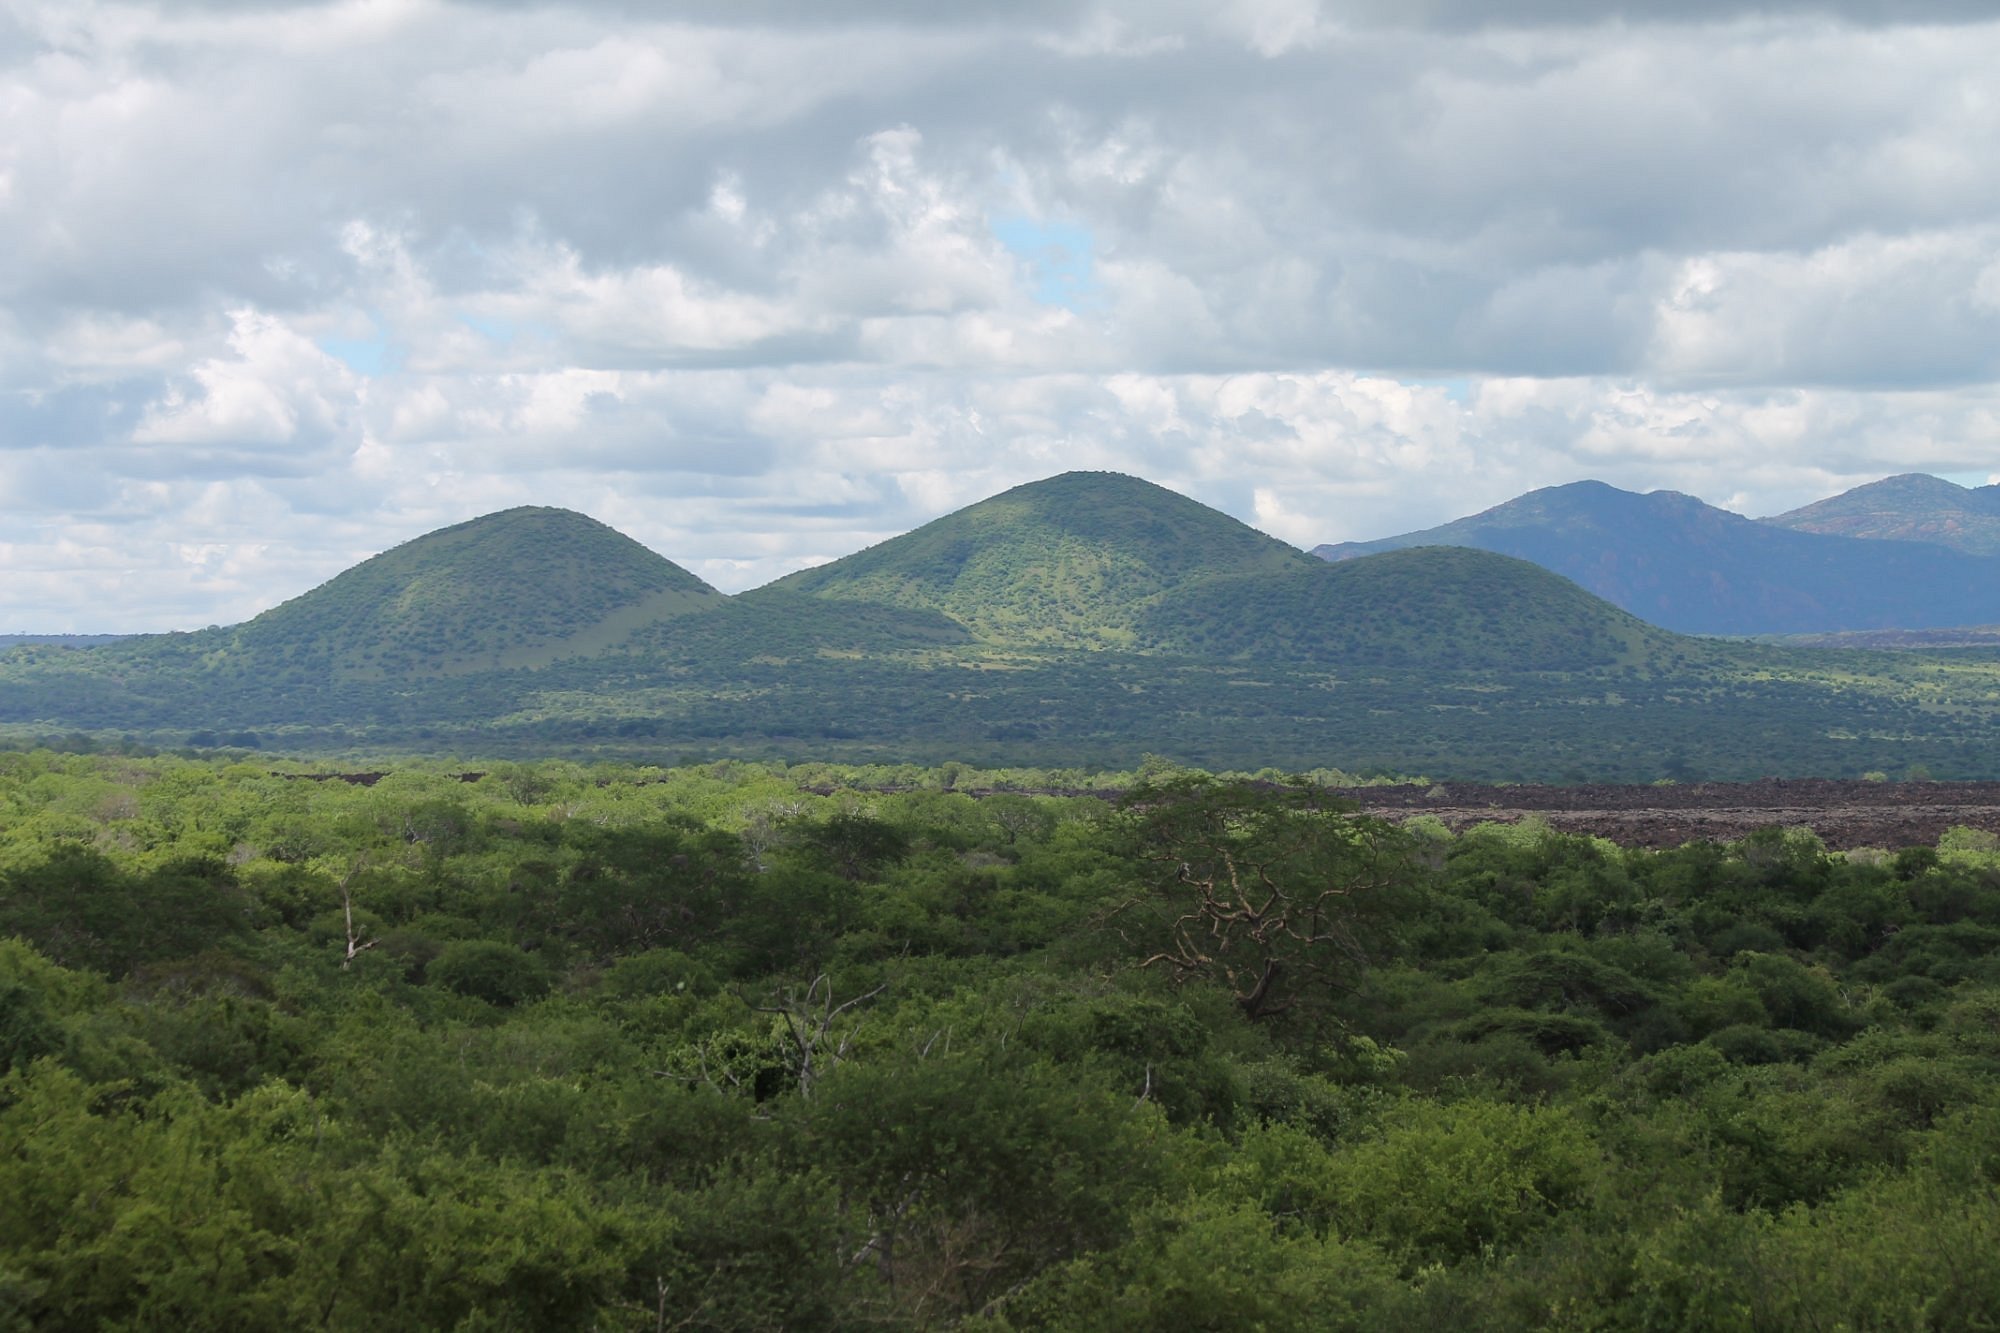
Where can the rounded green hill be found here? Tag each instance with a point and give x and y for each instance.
(1076, 561)
(517, 588)
(1426, 608)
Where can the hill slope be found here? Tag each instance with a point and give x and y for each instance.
(1427, 608)
(1910, 507)
(1687, 566)
(517, 588)
(1076, 561)
(538, 631)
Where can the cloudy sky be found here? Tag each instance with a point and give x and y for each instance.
(762, 281)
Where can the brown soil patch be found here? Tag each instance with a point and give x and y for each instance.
(1846, 815)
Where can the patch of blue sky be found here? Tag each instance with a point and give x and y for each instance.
(493, 330)
(1971, 478)
(1058, 256)
(1458, 388)
(370, 356)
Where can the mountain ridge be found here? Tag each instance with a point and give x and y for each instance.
(1911, 506)
(1684, 565)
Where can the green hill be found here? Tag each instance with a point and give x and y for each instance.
(779, 626)
(1429, 608)
(1103, 561)
(1076, 561)
(514, 589)
(520, 588)
(538, 631)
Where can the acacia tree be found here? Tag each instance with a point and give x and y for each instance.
(1278, 891)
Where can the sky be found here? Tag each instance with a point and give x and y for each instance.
(761, 282)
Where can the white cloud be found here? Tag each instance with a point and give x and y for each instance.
(285, 283)
(276, 391)
(1902, 309)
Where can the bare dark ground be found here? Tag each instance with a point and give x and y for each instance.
(1846, 815)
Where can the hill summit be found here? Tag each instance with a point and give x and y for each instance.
(1079, 560)
(521, 587)
(1911, 507)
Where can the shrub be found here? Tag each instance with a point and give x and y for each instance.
(489, 970)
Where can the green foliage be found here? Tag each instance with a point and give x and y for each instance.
(1434, 608)
(84, 910)
(488, 970)
(30, 1013)
(742, 1047)
(1279, 893)
(1088, 620)
(1210, 1263)
(1078, 561)
(1439, 1184)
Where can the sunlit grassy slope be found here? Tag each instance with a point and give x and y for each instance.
(1082, 560)
(1093, 560)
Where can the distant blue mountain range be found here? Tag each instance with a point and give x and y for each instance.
(1688, 566)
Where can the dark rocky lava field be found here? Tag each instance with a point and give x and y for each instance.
(1845, 815)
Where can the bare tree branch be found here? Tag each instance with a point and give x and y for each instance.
(809, 1021)
(355, 945)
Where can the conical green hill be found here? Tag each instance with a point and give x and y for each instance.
(1076, 561)
(518, 588)
(1426, 608)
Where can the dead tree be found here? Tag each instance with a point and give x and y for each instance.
(356, 946)
(811, 1019)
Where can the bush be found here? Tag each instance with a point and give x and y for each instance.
(1443, 1181)
(488, 970)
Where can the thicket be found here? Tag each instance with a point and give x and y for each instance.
(779, 679)
(737, 1047)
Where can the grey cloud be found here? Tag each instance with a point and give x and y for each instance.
(1583, 13)
(1422, 182)
(736, 13)
(1450, 14)
(71, 416)
(763, 234)
(39, 482)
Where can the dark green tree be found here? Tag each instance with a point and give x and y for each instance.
(1279, 892)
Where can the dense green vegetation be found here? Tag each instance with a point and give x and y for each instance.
(1708, 710)
(779, 626)
(743, 1047)
(1084, 560)
(1434, 609)
(1085, 620)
